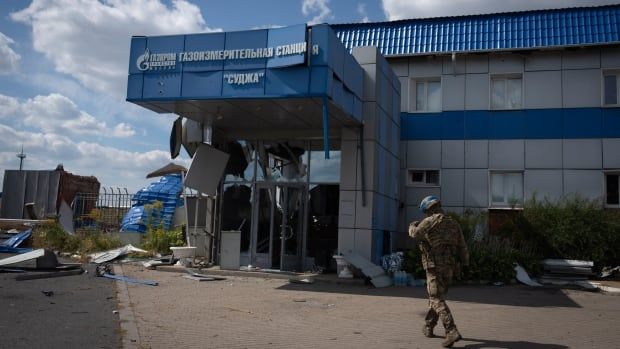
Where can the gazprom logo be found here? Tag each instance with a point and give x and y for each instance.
(150, 61)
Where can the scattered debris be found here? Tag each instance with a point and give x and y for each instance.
(299, 300)
(564, 272)
(114, 311)
(11, 244)
(108, 256)
(524, 278)
(48, 293)
(307, 281)
(203, 276)
(12, 270)
(105, 270)
(40, 259)
(609, 272)
(376, 274)
(21, 224)
(198, 278)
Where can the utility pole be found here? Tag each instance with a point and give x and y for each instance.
(21, 157)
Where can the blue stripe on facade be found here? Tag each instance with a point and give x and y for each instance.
(515, 30)
(518, 124)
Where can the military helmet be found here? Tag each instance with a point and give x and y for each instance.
(428, 201)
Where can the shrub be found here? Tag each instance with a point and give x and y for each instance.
(52, 237)
(158, 239)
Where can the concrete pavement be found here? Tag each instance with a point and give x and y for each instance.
(243, 312)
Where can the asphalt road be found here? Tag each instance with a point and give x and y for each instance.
(79, 314)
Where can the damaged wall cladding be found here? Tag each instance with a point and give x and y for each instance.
(46, 189)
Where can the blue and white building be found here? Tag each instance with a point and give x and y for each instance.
(336, 132)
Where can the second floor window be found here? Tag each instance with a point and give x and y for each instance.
(506, 93)
(428, 95)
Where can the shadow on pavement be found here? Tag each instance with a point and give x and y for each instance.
(512, 295)
(482, 343)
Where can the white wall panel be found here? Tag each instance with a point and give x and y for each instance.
(543, 183)
(424, 154)
(458, 67)
(404, 94)
(543, 61)
(453, 92)
(583, 153)
(476, 188)
(346, 240)
(542, 89)
(506, 154)
(400, 66)
(477, 154)
(543, 153)
(505, 63)
(452, 182)
(453, 154)
(477, 64)
(610, 57)
(428, 66)
(587, 183)
(611, 153)
(477, 91)
(581, 88)
(581, 59)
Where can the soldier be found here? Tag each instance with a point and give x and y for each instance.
(443, 248)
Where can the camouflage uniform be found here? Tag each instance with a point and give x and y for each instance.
(443, 249)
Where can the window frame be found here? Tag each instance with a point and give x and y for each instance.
(613, 173)
(505, 78)
(411, 183)
(413, 101)
(610, 72)
(505, 205)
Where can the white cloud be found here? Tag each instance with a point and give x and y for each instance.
(112, 166)
(8, 106)
(9, 60)
(319, 8)
(89, 40)
(402, 9)
(56, 113)
(361, 9)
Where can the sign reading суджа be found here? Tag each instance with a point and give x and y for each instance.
(151, 61)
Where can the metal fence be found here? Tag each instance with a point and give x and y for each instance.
(103, 211)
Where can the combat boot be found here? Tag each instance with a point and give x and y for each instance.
(452, 337)
(427, 330)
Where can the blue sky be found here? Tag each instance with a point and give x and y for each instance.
(63, 68)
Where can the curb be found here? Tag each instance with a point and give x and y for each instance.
(130, 338)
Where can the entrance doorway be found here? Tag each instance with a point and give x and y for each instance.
(278, 229)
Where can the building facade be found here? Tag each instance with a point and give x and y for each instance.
(334, 133)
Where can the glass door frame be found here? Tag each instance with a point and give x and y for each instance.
(299, 265)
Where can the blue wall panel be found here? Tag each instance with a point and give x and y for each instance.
(521, 124)
(251, 89)
(166, 44)
(321, 80)
(611, 122)
(138, 46)
(476, 125)
(543, 123)
(353, 76)
(134, 86)
(202, 84)
(453, 125)
(243, 40)
(320, 37)
(285, 36)
(506, 124)
(161, 85)
(290, 81)
(582, 123)
(204, 42)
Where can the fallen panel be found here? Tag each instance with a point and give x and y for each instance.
(206, 170)
(198, 278)
(524, 278)
(66, 217)
(23, 257)
(567, 263)
(107, 256)
(376, 274)
(17, 239)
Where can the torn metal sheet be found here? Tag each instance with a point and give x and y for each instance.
(206, 170)
(107, 256)
(17, 239)
(39, 259)
(198, 278)
(176, 136)
(65, 218)
(567, 263)
(524, 278)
